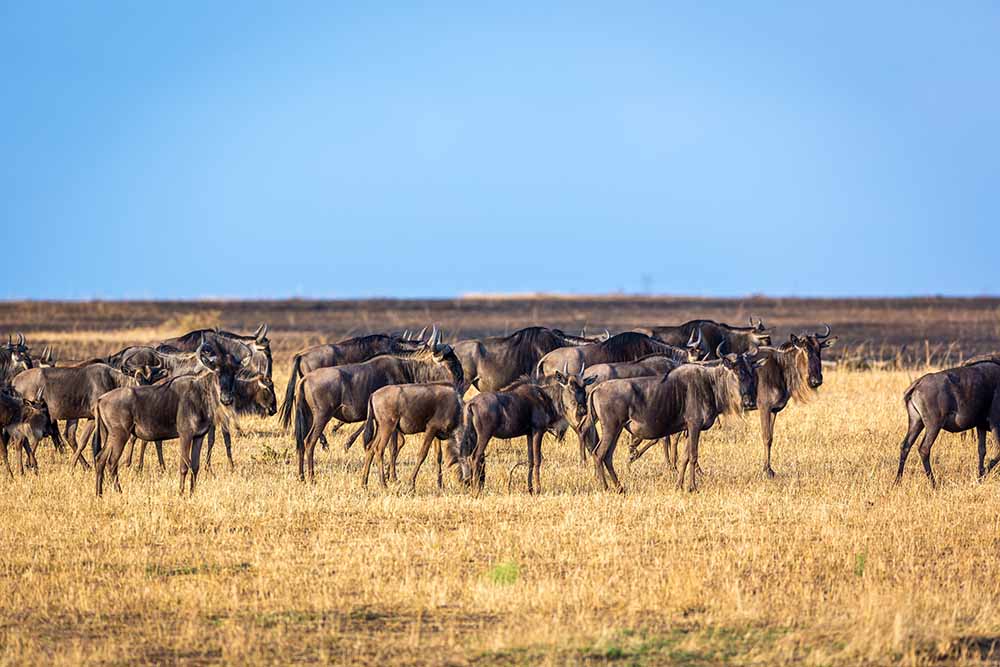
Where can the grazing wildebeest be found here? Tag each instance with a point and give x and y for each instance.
(257, 346)
(495, 362)
(523, 408)
(15, 357)
(71, 393)
(342, 392)
(734, 339)
(350, 351)
(252, 394)
(627, 346)
(182, 407)
(955, 400)
(690, 398)
(431, 408)
(23, 421)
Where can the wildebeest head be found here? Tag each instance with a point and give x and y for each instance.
(445, 355)
(259, 389)
(810, 353)
(35, 422)
(225, 367)
(20, 353)
(47, 360)
(145, 375)
(696, 346)
(744, 367)
(575, 391)
(760, 333)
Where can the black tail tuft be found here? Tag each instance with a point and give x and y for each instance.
(285, 411)
(371, 427)
(303, 421)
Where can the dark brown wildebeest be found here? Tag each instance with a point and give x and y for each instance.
(794, 370)
(690, 398)
(15, 357)
(495, 362)
(523, 408)
(627, 346)
(431, 408)
(342, 392)
(257, 346)
(23, 421)
(954, 400)
(71, 393)
(734, 339)
(183, 407)
(350, 351)
(253, 393)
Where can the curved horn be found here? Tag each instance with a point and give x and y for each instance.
(262, 332)
(420, 336)
(826, 335)
(718, 351)
(607, 334)
(434, 338)
(256, 334)
(20, 339)
(406, 334)
(566, 369)
(583, 367)
(752, 325)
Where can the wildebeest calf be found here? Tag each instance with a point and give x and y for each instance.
(432, 408)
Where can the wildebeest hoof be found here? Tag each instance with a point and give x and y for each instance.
(768, 473)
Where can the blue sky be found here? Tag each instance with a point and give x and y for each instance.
(372, 149)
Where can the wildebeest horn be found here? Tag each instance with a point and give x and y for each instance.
(420, 336)
(718, 351)
(432, 343)
(583, 367)
(20, 338)
(261, 332)
(406, 334)
(694, 342)
(824, 335)
(607, 334)
(565, 369)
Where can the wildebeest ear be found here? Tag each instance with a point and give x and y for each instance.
(795, 340)
(829, 342)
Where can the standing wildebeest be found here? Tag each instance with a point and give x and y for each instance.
(523, 408)
(183, 407)
(328, 355)
(690, 398)
(342, 392)
(253, 394)
(431, 408)
(71, 393)
(23, 421)
(735, 339)
(495, 362)
(627, 346)
(956, 400)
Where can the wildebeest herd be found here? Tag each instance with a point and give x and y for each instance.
(657, 384)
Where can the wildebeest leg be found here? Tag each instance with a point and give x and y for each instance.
(425, 447)
(583, 447)
(437, 446)
(26, 451)
(606, 446)
(159, 454)
(227, 440)
(88, 431)
(531, 461)
(208, 450)
(78, 454)
(354, 436)
(307, 455)
(925, 451)
(129, 450)
(670, 452)
(767, 436)
(981, 452)
(996, 438)
(142, 453)
(110, 454)
(537, 446)
(3, 450)
(394, 448)
(195, 459)
(635, 451)
(70, 433)
(483, 437)
(693, 436)
(912, 433)
(185, 450)
(384, 434)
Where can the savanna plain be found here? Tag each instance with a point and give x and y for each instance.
(827, 564)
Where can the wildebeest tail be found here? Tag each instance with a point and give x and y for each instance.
(909, 390)
(588, 425)
(371, 427)
(95, 443)
(287, 405)
(303, 420)
(469, 435)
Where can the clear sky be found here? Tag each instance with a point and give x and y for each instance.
(370, 149)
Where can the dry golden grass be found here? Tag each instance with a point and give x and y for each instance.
(827, 564)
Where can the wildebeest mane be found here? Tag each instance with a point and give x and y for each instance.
(629, 345)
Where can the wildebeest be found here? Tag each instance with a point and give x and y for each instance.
(690, 398)
(182, 407)
(523, 408)
(71, 393)
(627, 346)
(495, 362)
(434, 409)
(735, 339)
(342, 392)
(252, 394)
(350, 351)
(23, 422)
(955, 400)
(15, 357)
(257, 346)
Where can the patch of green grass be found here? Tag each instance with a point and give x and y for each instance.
(859, 563)
(505, 573)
